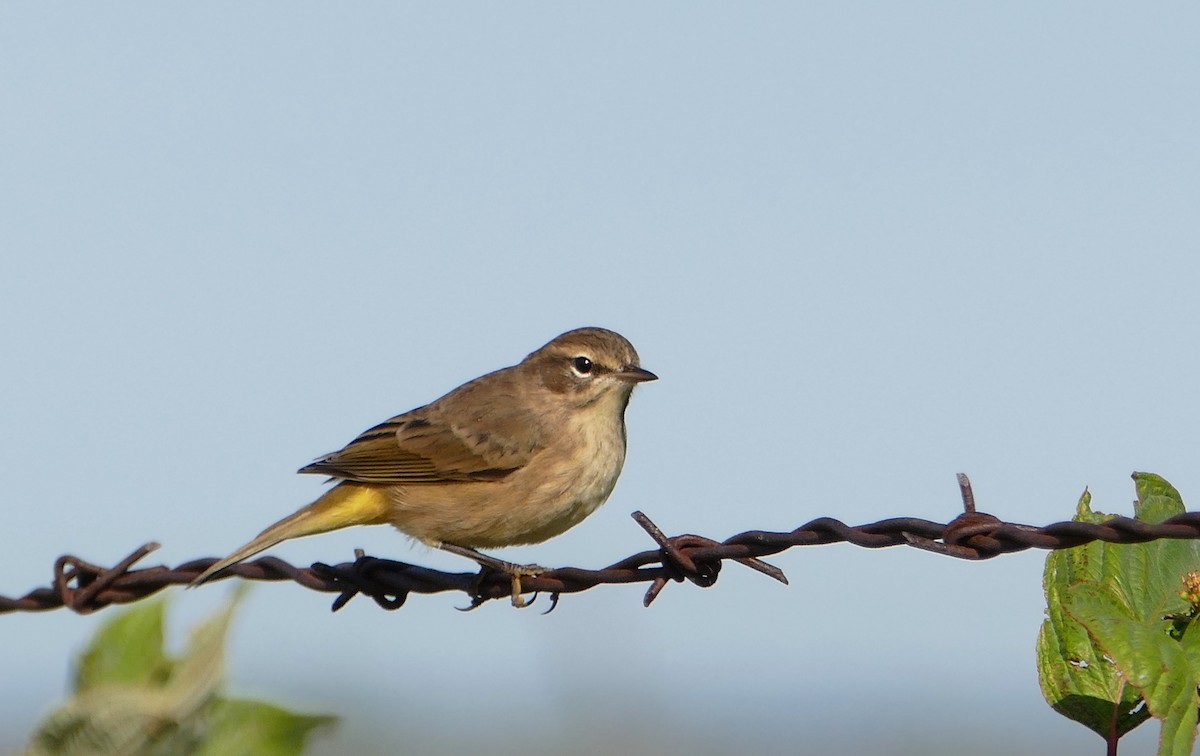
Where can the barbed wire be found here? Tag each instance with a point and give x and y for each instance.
(84, 587)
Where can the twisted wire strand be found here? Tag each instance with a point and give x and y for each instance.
(84, 587)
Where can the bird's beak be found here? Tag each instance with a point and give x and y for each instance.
(635, 374)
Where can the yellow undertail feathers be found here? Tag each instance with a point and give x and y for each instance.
(343, 505)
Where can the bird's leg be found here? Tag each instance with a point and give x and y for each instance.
(514, 571)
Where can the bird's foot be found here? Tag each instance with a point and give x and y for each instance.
(515, 573)
(491, 564)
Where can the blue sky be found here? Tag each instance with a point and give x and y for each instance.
(865, 247)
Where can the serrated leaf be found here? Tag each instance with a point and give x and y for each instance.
(126, 649)
(1126, 598)
(1148, 658)
(1075, 678)
(253, 728)
(1156, 498)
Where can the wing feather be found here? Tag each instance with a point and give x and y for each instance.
(421, 447)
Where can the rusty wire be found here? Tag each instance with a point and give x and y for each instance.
(84, 587)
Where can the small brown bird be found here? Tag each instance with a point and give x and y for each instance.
(513, 457)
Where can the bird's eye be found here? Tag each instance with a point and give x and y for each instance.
(582, 364)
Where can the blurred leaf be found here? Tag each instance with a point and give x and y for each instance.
(199, 673)
(110, 719)
(255, 728)
(131, 699)
(126, 649)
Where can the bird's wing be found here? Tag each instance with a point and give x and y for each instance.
(421, 447)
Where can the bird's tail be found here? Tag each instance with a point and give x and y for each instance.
(343, 505)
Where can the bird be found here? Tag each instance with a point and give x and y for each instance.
(516, 456)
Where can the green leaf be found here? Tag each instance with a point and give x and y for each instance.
(113, 719)
(1115, 617)
(199, 673)
(1148, 658)
(1156, 498)
(133, 699)
(1075, 678)
(126, 649)
(255, 728)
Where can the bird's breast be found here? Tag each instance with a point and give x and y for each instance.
(564, 482)
(569, 480)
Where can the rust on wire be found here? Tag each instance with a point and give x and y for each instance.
(84, 587)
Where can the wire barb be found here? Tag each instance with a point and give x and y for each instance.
(677, 562)
(89, 578)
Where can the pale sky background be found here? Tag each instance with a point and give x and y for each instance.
(865, 246)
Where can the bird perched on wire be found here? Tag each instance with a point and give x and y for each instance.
(513, 457)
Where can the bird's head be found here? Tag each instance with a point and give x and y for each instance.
(588, 365)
